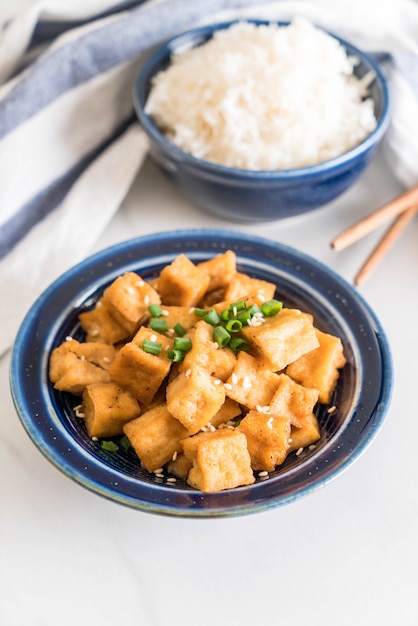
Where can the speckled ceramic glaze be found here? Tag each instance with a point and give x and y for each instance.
(361, 398)
(255, 196)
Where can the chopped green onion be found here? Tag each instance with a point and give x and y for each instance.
(182, 343)
(159, 325)
(226, 315)
(124, 442)
(212, 317)
(237, 306)
(246, 314)
(155, 310)
(152, 347)
(221, 336)
(110, 446)
(271, 307)
(233, 326)
(238, 344)
(200, 312)
(180, 330)
(176, 355)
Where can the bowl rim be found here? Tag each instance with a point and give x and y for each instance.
(180, 155)
(39, 417)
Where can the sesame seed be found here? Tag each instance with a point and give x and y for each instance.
(215, 345)
(211, 427)
(106, 359)
(94, 332)
(153, 338)
(171, 480)
(299, 451)
(171, 331)
(217, 381)
(234, 378)
(159, 475)
(331, 409)
(263, 474)
(261, 297)
(159, 470)
(246, 383)
(192, 309)
(146, 299)
(263, 409)
(165, 313)
(188, 373)
(68, 338)
(227, 386)
(140, 283)
(234, 311)
(312, 447)
(290, 440)
(204, 429)
(130, 290)
(95, 439)
(174, 457)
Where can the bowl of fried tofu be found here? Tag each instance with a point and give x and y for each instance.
(201, 373)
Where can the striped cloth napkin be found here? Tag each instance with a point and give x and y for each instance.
(70, 147)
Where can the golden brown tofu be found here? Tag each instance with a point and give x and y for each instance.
(306, 435)
(101, 326)
(128, 298)
(283, 338)
(205, 353)
(138, 371)
(179, 466)
(220, 270)
(155, 437)
(182, 315)
(220, 460)
(293, 401)
(107, 407)
(74, 365)
(194, 398)
(242, 285)
(251, 383)
(319, 368)
(182, 283)
(229, 411)
(267, 439)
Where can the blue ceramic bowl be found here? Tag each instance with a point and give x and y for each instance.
(362, 395)
(255, 196)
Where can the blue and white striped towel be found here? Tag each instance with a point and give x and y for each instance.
(69, 145)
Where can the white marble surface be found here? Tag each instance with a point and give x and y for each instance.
(345, 555)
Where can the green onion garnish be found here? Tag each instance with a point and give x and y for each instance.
(233, 326)
(182, 343)
(152, 347)
(246, 314)
(238, 344)
(176, 355)
(124, 442)
(221, 336)
(212, 317)
(200, 312)
(110, 446)
(237, 306)
(155, 310)
(180, 330)
(159, 325)
(271, 307)
(226, 315)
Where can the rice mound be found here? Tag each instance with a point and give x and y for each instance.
(263, 97)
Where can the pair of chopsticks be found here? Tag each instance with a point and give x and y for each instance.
(402, 209)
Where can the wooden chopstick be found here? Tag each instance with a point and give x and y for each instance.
(386, 212)
(385, 243)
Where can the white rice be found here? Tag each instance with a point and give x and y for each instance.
(263, 98)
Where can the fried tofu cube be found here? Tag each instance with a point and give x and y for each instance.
(293, 401)
(242, 285)
(307, 434)
(74, 365)
(205, 353)
(267, 439)
(138, 371)
(194, 398)
(99, 325)
(251, 383)
(128, 298)
(220, 270)
(179, 466)
(220, 460)
(107, 407)
(283, 338)
(182, 283)
(320, 367)
(182, 315)
(155, 436)
(229, 411)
